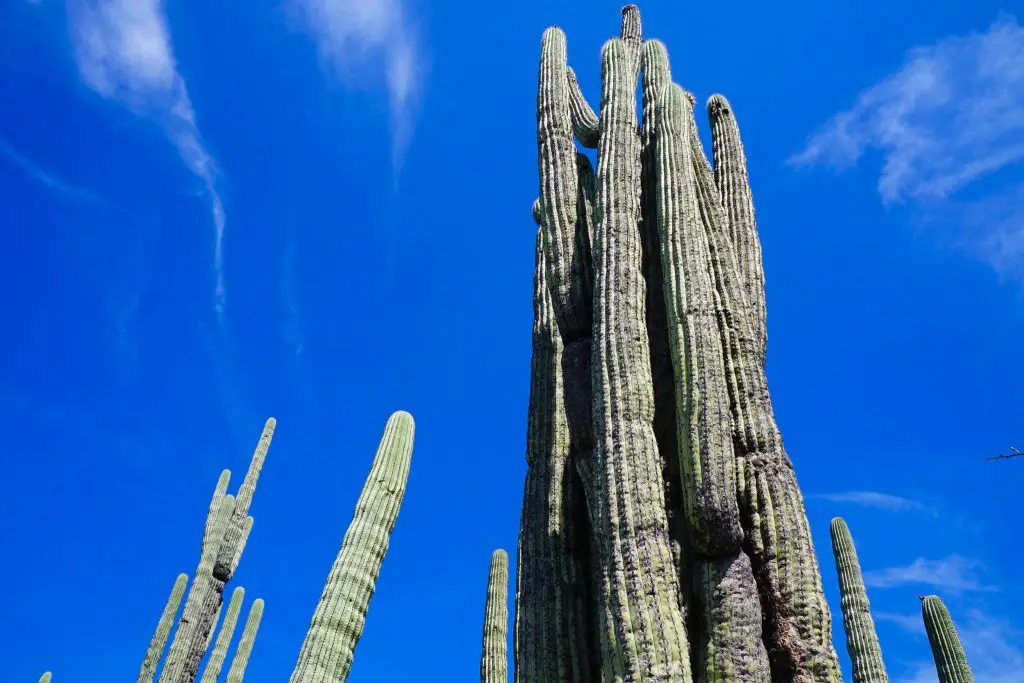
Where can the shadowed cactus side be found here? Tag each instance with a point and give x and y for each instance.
(494, 657)
(950, 659)
(327, 652)
(861, 640)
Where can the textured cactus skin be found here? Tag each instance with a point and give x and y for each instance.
(494, 656)
(163, 629)
(861, 640)
(227, 631)
(950, 659)
(241, 659)
(701, 562)
(228, 525)
(327, 652)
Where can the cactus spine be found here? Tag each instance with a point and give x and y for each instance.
(950, 659)
(327, 652)
(494, 658)
(241, 658)
(163, 629)
(227, 631)
(227, 529)
(861, 640)
(701, 563)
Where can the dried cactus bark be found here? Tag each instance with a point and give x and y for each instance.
(155, 651)
(337, 624)
(494, 657)
(552, 595)
(643, 637)
(223, 543)
(241, 659)
(861, 639)
(227, 631)
(950, 658)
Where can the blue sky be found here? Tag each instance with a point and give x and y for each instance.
(320, 210)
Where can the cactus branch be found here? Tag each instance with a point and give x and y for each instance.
(494, 658)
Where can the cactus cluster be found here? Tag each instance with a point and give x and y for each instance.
(663, 536)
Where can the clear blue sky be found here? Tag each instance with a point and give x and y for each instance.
(320, 210)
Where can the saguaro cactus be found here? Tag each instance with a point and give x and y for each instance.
(494, 658)
(861, 640)
(327, 652)
(241, 658)
(163, 629)
(950, 658)
(697, 547)
(227, 631)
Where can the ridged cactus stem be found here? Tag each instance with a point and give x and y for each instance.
(494, 657)
(731, 177)
(552, 593)
(861, 639)
(202, 605)
(327, 652)
(950, 658)
(155, 651)
(585, 123)
(227, 631)
(644, 637)
(241, 659)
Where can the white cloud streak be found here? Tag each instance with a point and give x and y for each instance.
(123, 52)
(874, 499)
(352, 34)
(955, 574)
(41, 175)
(952, 115)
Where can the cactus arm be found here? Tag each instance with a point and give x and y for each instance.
(585, 123)
(494, 658)
(861, 639)
(227, 631)
(46, 677)
(950, 658)
(337, 624)
(550, 636)
(241, 659)
(733, 182)
(646, 637)
(211, 516)
(163, 629)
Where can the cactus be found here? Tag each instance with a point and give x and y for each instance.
(950, 659)
(227, 631)
(163, 629)
(861, 640)
(494, 658)
(45, 678)
(228, 525)
(327, 652)
(701, 563)
(241, 658)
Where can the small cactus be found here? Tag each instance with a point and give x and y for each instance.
(45, 678)
(494, 658)
(950, 658)
(861, 640)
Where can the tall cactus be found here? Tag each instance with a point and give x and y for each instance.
(227, 529)
(494, 656)
(701, 564)
(861, 640)
(155, 651)
(327, 652)
(950, 658)
(241, 659)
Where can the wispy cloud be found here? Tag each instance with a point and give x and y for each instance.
(123, 52)
(951, 115)
(955, 574)
(41, 175)
(352, 34)
(874, 499)
(992, 648)
(911, 623)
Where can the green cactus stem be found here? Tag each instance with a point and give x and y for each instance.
(155, 651)
(494, 658)
(211, 673)
(641, 623)
(241, 659)
(585, 123)
(45, 678)
(861, 640)
(223, 543)
(327, 652)
(950, 658)
(552, 600)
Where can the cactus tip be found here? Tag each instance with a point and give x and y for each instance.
(718, 105)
